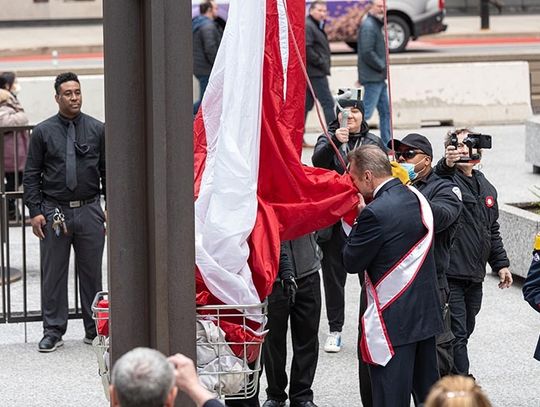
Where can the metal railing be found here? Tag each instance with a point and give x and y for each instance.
(20, 264)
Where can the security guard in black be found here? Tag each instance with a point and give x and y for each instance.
(64, 170)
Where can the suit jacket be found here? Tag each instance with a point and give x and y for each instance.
(385, 231)
(531, 287)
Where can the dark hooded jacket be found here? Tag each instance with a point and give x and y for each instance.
(477, 240)
(206, 38)
(324, 155)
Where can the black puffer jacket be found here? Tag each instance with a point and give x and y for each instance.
(478, 240)
(317, 49)
(324, 155)
(206, 38)
(445, 200)
(300, 257)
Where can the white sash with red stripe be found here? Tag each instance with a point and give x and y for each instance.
(375, 344)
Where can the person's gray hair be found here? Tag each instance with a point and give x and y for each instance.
(371, 158)
(142, 378)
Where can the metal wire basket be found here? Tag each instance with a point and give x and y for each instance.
(100, 314)
(249, 322)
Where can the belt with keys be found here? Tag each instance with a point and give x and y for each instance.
(59, 222)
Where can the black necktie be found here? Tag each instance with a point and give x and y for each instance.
(71, 164)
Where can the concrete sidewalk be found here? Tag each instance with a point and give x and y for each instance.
(500, 349)
(22, 41)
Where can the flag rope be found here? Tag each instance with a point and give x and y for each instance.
(303, 66)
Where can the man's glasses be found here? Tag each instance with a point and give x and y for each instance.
(407, 155)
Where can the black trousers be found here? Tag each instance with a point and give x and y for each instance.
(304, 318)
(465, 302)
(445, 341)
(412, 370)
(322, 92)
(334, 278)
(86, 233)
(364, 377)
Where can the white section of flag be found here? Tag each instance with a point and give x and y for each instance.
(226, 209)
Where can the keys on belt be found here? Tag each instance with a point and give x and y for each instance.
(59, 222)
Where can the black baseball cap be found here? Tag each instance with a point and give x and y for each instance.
(414, 140)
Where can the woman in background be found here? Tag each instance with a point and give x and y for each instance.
(15, 143)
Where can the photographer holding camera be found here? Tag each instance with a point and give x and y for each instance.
(477, 240)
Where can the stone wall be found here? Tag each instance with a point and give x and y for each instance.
(518, 228)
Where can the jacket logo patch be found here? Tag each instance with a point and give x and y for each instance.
(490, 201)
(536, 257)
(457, 191)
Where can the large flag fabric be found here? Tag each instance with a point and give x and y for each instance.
(251, 188)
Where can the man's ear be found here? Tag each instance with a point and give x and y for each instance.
(368, 176)
(171, 397)
(114, 399)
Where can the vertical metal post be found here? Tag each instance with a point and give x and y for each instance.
(148, 109)
(484, 14)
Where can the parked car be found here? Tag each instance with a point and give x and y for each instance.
(407, 19)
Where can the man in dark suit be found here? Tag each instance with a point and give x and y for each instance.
(531, 287)
(391, 244)
(318, 60)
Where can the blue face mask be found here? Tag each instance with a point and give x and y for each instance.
(410, 170)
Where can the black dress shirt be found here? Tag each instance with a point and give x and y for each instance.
(45, 171)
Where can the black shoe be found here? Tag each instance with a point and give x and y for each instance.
(273, 403)
(49, 343)
(88, 339)
(307, 403)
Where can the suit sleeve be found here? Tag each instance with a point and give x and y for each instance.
(363, 244)
(446, 207)
(366, 47)
(33, 172)
(102, 167)
(531, 286)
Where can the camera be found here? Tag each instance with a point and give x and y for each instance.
(472, 140)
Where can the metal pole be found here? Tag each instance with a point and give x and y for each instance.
(484, 14)
(149, 140)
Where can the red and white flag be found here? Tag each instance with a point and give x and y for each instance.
(251, 189)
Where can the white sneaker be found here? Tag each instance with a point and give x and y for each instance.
(333, 342)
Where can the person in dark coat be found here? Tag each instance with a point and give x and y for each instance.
(403, 308)
(332, 239)
(445, 200)
(372, 67)
(477, 242)
(318, 60)
(206, 39)
(15, 143)
(295, 299)
(531, 287)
